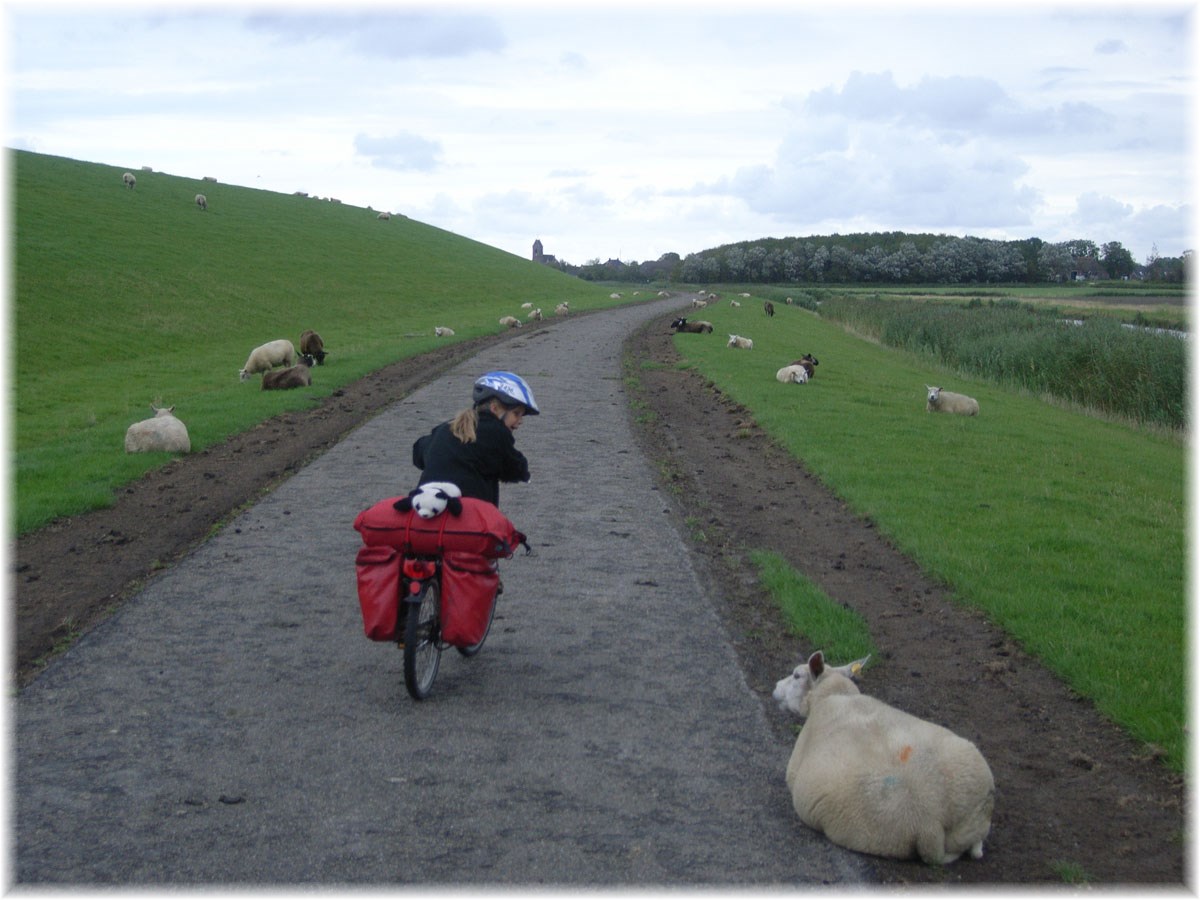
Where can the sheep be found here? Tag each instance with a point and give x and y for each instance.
(809, 362)
(563, 309)
(697, 303)
(510, 321)
(443, 331)
(384, 216)
(614, 296)
(683, 326)
(938, 400)
(740, 343)
(734, 303)
(129, 180)
(211, 178)
(202, 201)
(743, 295)
(267, 356)
(878, 780)
(162, 433)
(311, 343)
(299, 375)
(792, 374)
(526, 305)
(768, 307)
(535, 316)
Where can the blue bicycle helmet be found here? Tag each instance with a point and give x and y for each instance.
(506, 387)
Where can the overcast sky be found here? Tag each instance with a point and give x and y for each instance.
(640, 129)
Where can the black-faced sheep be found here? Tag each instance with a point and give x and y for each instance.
(937, 400)
(878, 780)
(311, 343)
(163, 433)
(129, 180)
(299, 375)
(202, 201)
(768, 307)
(741, 343)
(683, 326)
(267, 356)
(809, 362)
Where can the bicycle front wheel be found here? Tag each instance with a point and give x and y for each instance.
(422, 650)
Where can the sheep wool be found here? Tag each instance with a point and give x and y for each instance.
(162, 433)
(937, 400)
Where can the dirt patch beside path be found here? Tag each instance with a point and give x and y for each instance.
(1073, 793)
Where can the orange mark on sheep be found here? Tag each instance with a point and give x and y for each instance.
(905, 753)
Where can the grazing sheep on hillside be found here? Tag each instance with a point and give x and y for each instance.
(768, 307)
(510, 321)
(202, 201)
(162, 433)
(129, 180)
(878, 780)
(698, 327)
(299, 375)
(809, 362)
(740, 343)
(267, 356)
(311, 344)
(563, 309)
(443, 331)
(792, 375)
(938, 400)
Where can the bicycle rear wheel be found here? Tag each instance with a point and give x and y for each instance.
(422, 648)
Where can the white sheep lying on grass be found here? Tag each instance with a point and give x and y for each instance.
(741, 343)
(938, 400)
(443, 331)
(267, 356)
(878, 780)
(163, 433)
(792, 374)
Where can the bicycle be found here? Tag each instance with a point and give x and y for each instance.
(420, 635)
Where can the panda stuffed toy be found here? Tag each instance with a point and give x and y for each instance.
(431, 499)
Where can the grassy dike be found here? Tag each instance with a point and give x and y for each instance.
(1067, 530)
(126, 297)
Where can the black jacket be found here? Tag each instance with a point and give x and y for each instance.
(477, 468)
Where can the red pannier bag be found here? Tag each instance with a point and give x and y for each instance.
(379, 591)
(480, 529)
(469, 583)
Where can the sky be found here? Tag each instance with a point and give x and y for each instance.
(631, 130)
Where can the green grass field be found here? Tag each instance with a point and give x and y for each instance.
(1068, 530)
(124, 298)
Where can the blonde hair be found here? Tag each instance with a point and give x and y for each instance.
(463, 425)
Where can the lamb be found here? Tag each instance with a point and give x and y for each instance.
(443, 331)
(563, 309)
(299, 375)
(938, 400)
(202, 201)
(792, 374)
(129, 180)
(878, 780)
(311, 344)
(162, 433)
(809, 362)
(683, 326)
(740, 343)
(768, 307)
(267, 356)
(535, 316)
(510, 321)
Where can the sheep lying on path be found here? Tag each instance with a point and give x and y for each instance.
(938, 400)
(299, 375)
(563, 309)
(163, 433)
(739, 342)
(267, 356)
(809, 362)
(129, 180)
(878, 780)
(698, 327)
(510, 321)
(202, 201)
(311, 343)
(792, 374)
(443, 331)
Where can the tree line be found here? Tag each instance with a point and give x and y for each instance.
(894, 258)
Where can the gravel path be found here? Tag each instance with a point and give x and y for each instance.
(232, 725)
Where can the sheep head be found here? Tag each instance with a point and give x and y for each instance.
(794, 692)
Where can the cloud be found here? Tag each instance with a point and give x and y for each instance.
(1111, 46)
(389, 35)
(402, 151)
